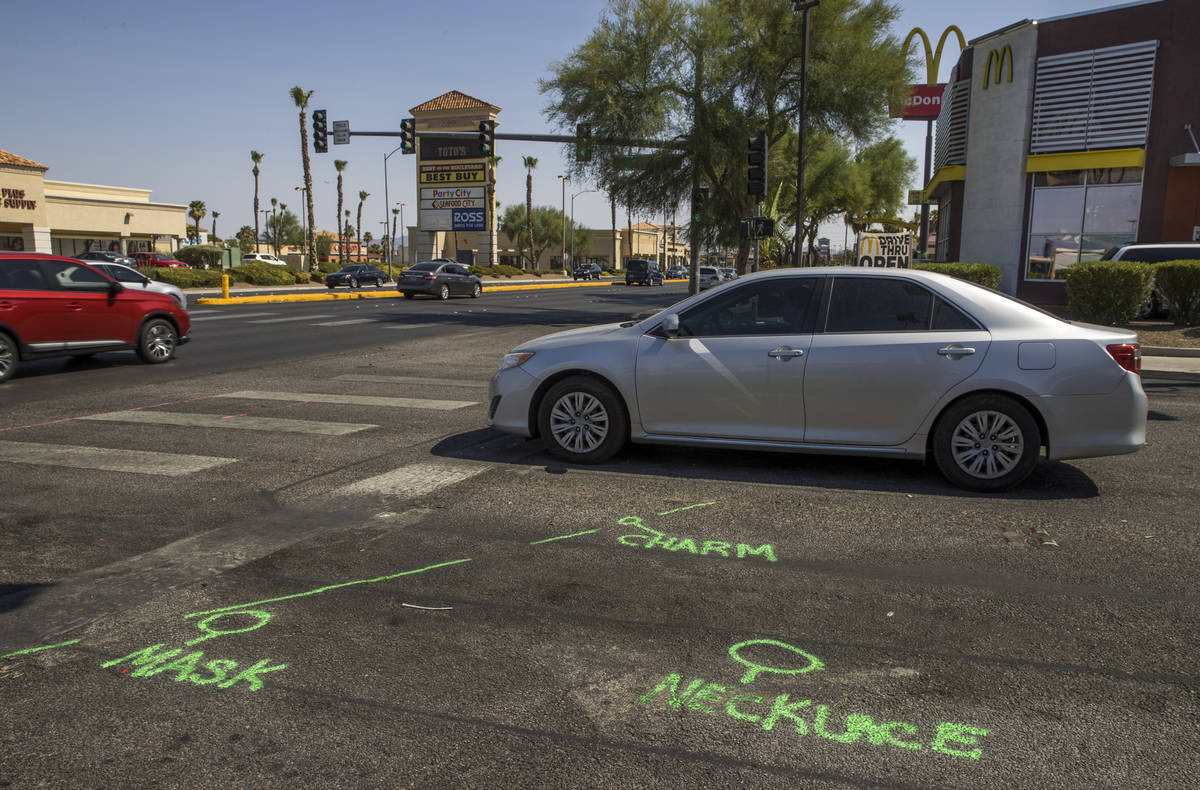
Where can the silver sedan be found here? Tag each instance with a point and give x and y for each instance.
(892, 363)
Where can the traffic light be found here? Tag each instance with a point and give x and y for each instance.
(487, 137)
(699, 203)
(583, 142)
(408, 136)
(757, 159)
(320, 133)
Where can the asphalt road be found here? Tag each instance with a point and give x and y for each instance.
(294, 557)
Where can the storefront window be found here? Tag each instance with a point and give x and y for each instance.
(943, 231)
(1078, 215)
(12, 243)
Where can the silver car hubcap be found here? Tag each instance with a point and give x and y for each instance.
(160, 342)
(987, 444)
(579, 422)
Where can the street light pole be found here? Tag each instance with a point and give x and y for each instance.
(403, 233)
(577, 194)
(563, 248)
(387, 203)
(803, 6)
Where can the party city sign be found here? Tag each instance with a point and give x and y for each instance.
(452, 197)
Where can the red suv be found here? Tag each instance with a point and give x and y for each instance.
(156, 259)
(51, 306)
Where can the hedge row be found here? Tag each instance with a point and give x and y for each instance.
(252, 273)
(1107, 292)
(984, 274)
(1179, 283)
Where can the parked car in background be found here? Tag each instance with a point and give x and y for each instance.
(132, 278)
(262, 257)
(727, 273)
(709, 276)
(586, 271)
(160, 259)
(53, 306)
(890, 363)
(640, 272)
(1157, 252)
(356, 274)
(678, 273)
(95, 256)
(439, 278)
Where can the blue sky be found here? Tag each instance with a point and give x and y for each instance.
(172, 96)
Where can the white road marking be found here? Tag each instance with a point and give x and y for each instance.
(214, 316)
(138, 461)
(408, 326)
(347, 322)
(354, 400)
(291, 318)
(410, 380)
(412, 481)
(242, 422)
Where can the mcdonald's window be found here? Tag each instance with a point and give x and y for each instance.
(1079, 215)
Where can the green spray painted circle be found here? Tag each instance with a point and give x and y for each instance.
(814, 663)
(263, 618)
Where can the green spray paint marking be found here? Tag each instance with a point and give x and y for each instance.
(327, 588)
(814, 663)
(655, 539)
(689, 507)
(28, 650)
(563, 537)
(150, 662)
(263, 618)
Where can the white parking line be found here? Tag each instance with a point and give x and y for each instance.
(138, 461)
(346, 322)
(214, 316)
(410, 380)
(291, 318)
(355, 400)
(412, 481)
(243, 422)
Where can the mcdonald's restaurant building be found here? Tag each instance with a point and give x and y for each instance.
(1060, 138)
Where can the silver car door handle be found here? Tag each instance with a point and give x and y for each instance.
(956, 351)
(784, 351)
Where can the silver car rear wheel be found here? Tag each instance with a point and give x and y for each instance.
(986, 442)
(582, 420)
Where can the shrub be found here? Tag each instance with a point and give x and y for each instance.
(1179, 282)
(500, 270)
(328, 267)
(186, 278)
(205, 256)
(1107, 292)
(984, 274)
(266, 274)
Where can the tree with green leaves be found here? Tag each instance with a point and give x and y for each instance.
(362, 196)
(286, 228)
(301, 98)
(340, 165)
(324, 247)
(530, 163)
(247, 238)
(215, 239)
(256, 158)
(709, 75)
(196, 210)
(546, 224)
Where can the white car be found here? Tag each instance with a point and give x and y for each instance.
(709, 276)
(262, 257)
(892, 363)
(728, 272)
(133, 278)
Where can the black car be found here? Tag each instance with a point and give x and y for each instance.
(442, 279)
(678, 273)
(356, 274)
(106, 257)
(639, 272)
(586, 271)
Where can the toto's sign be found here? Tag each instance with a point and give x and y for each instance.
(924, 103)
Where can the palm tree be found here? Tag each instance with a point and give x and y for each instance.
(490, 219)
(367, 238)
(392, 240)
(348, 229)
(256, 158)
(530, 163)
(362, 195)
(215, 215)
(339, 165)
(197, 210)
(301, 97)
(270, 239)
(278, 238)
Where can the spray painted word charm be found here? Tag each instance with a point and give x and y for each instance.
(652, 538)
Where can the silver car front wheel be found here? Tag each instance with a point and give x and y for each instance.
(583, 420)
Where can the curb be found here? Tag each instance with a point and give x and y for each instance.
(1169, 351)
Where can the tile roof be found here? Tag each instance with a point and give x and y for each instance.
(454, 100)
(19, 161)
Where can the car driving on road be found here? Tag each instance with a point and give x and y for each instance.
(887, 363)
(586, 271)
(442, 279)
(356, 274)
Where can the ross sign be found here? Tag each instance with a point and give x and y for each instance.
(452, 219)
(924, 103)
(916, 197)
(466, 173)
(435, 149)
(885, 250)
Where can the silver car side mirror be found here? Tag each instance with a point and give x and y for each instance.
(670, 325)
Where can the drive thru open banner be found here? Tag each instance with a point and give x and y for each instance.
(885, 250)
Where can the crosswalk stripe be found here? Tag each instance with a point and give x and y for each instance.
(291, 318)
(139, 461)
(346, 322)
(354, 400)
(409, 380)
(214, 316)
(242, 422)
(413, 480)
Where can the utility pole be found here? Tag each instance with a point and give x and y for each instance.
(803, 6)
(562, 255)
